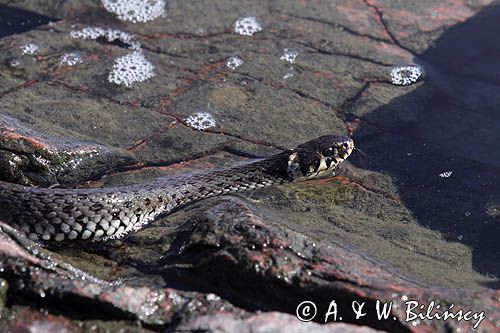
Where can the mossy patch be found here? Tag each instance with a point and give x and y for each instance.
(324, 192)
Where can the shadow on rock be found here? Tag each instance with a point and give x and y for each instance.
(450, 123)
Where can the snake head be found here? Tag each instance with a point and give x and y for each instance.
(319, 158)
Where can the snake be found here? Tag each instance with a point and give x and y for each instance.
(59, 215)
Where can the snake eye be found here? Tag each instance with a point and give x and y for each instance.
(328, 151)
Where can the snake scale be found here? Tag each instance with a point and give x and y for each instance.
(64, 215)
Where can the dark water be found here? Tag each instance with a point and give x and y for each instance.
(456, 128)
(15, 21)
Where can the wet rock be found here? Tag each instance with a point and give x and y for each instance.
(243, 252)
(28, 320)
(427, 237)
(417, 26)
(36, 275)
(262, 323)
(34, 158)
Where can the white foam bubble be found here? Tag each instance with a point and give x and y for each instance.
(70, 59)
(247, 26)
(109, 34)
(200, 121)
(133, 67)
(200, 31)
(406, 75)
(135, 10)
(14, 62)
(29, 49)
(289, 55)
(234, 62)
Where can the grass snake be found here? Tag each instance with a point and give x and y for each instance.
(63, 215)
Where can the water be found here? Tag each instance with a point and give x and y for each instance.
(14, 20)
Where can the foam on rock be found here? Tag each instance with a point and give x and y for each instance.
(247, 26)
(289, 56)
(70, 59)
(128, 69)
(109, 34)
(406, 75)
(201, 121)
(29, 49)
(135, 10)
(234, 62)
(133, 67)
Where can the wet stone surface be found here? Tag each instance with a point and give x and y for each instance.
(415, 219)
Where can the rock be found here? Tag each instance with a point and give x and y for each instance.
(243, 254)
(391, 230)
(33, 158)
(40, 276)
(264, 323)
(28, 320)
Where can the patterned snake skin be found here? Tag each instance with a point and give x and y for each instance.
(64, 215)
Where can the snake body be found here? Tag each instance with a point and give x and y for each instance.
(64, 215)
